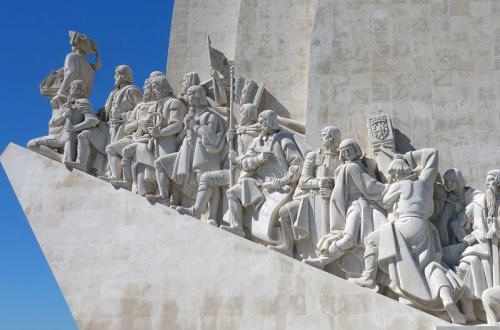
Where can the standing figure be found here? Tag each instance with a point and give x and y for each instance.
(203, 150)
(407, 248)
(302, 230)
(133, 129)
(74, 116)
(476, 266)
(120, 102)
(213, 180)
(354, 210)
(77, 67)
(451, 221)
(157, 138)
(271, 165)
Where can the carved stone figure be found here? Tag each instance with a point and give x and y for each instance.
(190, 79)
(77, 67)
(407, 248)
(211, 181)
(203, 150)
(134, 129)
(158, 138)
(477, 262)
(303, 229)
(271, 169)
(491, 303)
(354, 210)
(121, 101)
(74, 116)
(452, 219)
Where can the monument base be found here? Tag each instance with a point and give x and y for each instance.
(124, 264)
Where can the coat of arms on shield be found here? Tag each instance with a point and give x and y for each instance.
(380, 132)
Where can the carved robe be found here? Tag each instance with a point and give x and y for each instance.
(118, 105)
(309, 210)
(409, 250)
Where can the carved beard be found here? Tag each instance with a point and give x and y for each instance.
(491, 203)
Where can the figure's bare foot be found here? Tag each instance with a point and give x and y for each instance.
(233, 230)
(121, 184)
(456, 316)
(282, 248)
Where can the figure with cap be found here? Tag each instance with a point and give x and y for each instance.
(407, 249)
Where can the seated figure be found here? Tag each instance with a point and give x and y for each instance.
(203, 149)
(157, 137)
(271, 169)
(72, 117)
(134, 129)
(210, 181)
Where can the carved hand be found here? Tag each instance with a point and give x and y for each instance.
(232, 155)
(265, 156)
(155, 132)
(469, 240)
(325, 193)
(230, 135)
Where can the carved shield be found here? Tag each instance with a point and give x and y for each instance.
(380, 129)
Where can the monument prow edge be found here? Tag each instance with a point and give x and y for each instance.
(122, 263)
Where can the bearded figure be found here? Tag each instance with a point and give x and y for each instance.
(476, 263)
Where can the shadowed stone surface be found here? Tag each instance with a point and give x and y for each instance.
(124, 264)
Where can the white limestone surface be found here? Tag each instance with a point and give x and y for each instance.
(124, 264)
(433, 66)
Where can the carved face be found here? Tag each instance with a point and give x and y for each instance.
(348, 152)
(156, 90)
(491, 183)
(193, 100)
(147, 90)
(120, 77)
(248, 114)
(330, 137)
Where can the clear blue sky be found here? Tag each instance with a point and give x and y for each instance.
(34, 36)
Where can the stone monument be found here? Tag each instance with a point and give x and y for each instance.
(397, 243)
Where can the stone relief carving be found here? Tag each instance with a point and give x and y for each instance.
(391, 223)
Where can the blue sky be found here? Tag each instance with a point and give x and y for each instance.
(35, 40)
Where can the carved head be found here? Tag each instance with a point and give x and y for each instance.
(80, 42)
(123, 76)
(196, 96)
(160, 88)
(350, 150)
(493, 185)
(453, 180)
(399, 170)
(154, 74)
(330, 137)
(77, 89)
(248, 114)
(493, 180)
(190, 79)
(268, 119)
